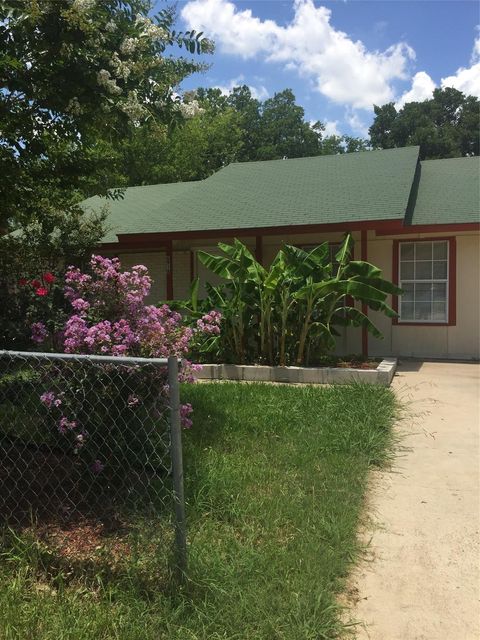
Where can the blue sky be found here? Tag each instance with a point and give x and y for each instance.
(339, 57)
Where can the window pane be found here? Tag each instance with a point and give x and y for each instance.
(439, 250)
(423, 311)
(423, 270)
(408, 291)
(439, 311)
(406, 312)
(423, 250)
(423, 292)
(440, 270)
(439, 291)
(407, 251)
(407, 270)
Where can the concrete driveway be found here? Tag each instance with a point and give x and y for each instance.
(423, 581)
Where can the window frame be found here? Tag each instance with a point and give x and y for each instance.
(451, 282)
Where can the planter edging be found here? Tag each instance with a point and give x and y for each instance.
(382, 375)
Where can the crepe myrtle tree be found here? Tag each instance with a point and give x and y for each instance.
(106, 315)
(280, 314)
(76, 76)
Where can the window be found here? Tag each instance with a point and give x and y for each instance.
(423, 276)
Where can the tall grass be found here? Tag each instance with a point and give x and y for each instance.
(275, 481)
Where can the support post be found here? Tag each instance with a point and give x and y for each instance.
(169, 257)
(259, 249)
(177, 469)
(192, 266)
(364, 256)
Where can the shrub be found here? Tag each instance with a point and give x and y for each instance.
(108, 316)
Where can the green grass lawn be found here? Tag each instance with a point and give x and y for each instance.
(275, 482)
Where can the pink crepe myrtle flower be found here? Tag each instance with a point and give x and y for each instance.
(47, 398)
(64, 424)
(185, 412)
(132, 400)
(80, 305)
(39, 332)
(210, 323)
(97, 467)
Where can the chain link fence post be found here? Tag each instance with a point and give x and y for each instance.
(177, 469)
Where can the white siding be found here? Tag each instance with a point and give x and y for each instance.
(181, 274)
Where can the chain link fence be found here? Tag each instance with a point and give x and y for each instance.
(90, 437)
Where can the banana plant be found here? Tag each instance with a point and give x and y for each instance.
(244, 277)
(272, 314)
(357, 279)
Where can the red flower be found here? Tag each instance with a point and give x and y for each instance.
(36, 284)
(22, 282)
(49, 277)
(41, 291)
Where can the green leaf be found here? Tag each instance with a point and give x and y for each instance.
(363, 269)
(193, 294)
(345, 251)
(218, 264)
(359, 319)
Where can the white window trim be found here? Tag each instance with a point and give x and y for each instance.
(430, 280)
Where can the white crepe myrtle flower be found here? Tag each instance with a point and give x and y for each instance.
(107, 82)
(121, 69)
(82, 6)
(74, 107)
(150, 30)
(190, 109)
(132, 107)
(129, 45)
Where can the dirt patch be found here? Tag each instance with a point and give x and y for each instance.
(86, 540)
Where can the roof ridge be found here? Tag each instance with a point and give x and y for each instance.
(447, 159)
(327, 155)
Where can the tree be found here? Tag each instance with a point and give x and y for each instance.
(284, 132)
(77, 76)
(224, 129)
(192, 150)
(446, 126)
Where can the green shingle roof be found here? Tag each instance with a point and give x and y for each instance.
(138, 205)
(373, 185)
(448, 192)
(353, 187)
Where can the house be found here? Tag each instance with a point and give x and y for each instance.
(416, 220)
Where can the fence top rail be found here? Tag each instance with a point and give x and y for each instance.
(74, 357)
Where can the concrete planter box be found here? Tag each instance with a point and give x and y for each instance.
(382, 375)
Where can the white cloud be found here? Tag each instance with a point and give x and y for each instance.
(358, 126)
(467, 79)
(342, 69)
(331, 128)
(422, 89)
(258, 92)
